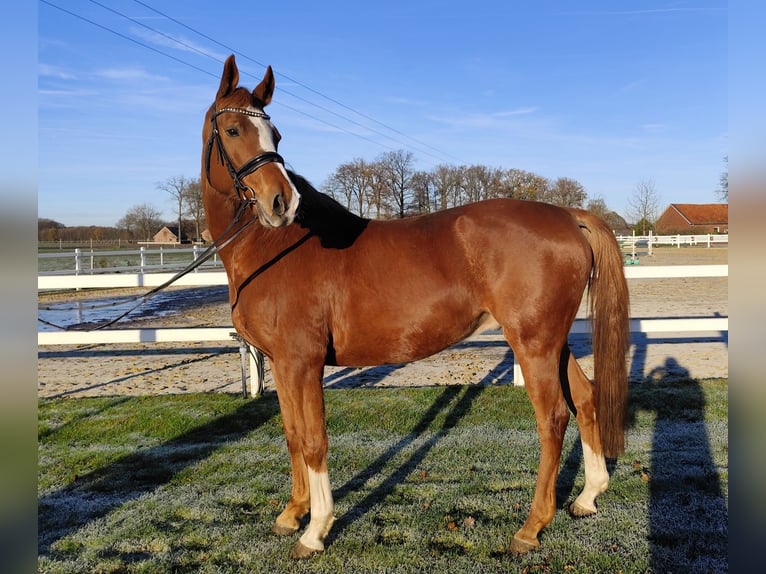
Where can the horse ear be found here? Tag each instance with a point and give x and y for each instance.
(265, 89)
(229, 79)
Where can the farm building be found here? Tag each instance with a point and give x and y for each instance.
(169, 234)
(693, 219)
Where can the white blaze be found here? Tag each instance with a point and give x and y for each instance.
(267, 143)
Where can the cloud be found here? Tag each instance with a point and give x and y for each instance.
(129, 74)
(483, 120)
(516, 112)
(48, 71)
(176, 42)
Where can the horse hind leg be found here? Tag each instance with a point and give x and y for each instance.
(583, 400)
(541, 377)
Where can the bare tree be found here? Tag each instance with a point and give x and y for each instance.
(141, 221)
(353, 183)
(643, 206)
(521, 184)
(723, 188)
(446, 182)
(565, 192)
(195, 209)
(423, 191)
(395, 169)
(480, 182)
(176, 186)
(614, 220)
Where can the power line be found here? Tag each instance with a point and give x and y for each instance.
(161, 52)
(207, 55)
(303, 85)
(203, 53)
(123, 36)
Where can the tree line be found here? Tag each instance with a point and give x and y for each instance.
(391, 187)
(387, 187)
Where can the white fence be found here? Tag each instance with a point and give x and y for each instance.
(632, 243)
(212, 278)
(142, 260)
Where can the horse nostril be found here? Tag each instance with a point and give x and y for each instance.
(279, 204)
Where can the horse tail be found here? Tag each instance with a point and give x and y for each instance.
(610, 319)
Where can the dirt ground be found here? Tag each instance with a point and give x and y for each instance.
(485, 358)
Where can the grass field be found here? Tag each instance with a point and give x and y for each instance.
(425, 480)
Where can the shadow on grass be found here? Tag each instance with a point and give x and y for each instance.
(688, 514)
(687, 508)
(458, 405)
(95, 494)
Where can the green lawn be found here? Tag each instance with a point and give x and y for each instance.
(425, 480)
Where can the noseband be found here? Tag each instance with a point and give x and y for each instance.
(237, 175)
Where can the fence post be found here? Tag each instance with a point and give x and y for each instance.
(257, 372)
(256, 364)
(142, 254)
(162, 258)
(518, 376)
(195, 255)
(77, 261)
(678, 241)
(651, 238)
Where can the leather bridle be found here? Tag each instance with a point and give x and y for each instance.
(237, 175)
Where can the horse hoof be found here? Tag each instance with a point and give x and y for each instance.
(301, 552)
(519, 546)
(578, 511)
(280, 530)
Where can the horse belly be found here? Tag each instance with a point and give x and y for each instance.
(400, 337)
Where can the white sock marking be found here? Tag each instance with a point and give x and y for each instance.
(322, 509)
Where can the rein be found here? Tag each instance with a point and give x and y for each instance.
(221, 242)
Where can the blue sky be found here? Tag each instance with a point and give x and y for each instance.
(608, 93)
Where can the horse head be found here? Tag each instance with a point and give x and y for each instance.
(246, 164)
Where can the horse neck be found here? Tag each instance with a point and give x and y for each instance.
(220, 211)
(256, 244)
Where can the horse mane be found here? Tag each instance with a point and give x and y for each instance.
(336, 226)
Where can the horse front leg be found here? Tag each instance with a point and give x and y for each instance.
(552, 417)
(289, 520)
(300, 388)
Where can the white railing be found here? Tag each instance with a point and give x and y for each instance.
(141, 260)
(213, 278)
(634, 242)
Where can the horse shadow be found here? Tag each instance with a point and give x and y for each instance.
(459, 400)
(368, 377)
(353, 377)
(94, 495)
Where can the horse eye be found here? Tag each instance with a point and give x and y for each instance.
(233, 132)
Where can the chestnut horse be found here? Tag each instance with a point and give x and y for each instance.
(311, 284)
